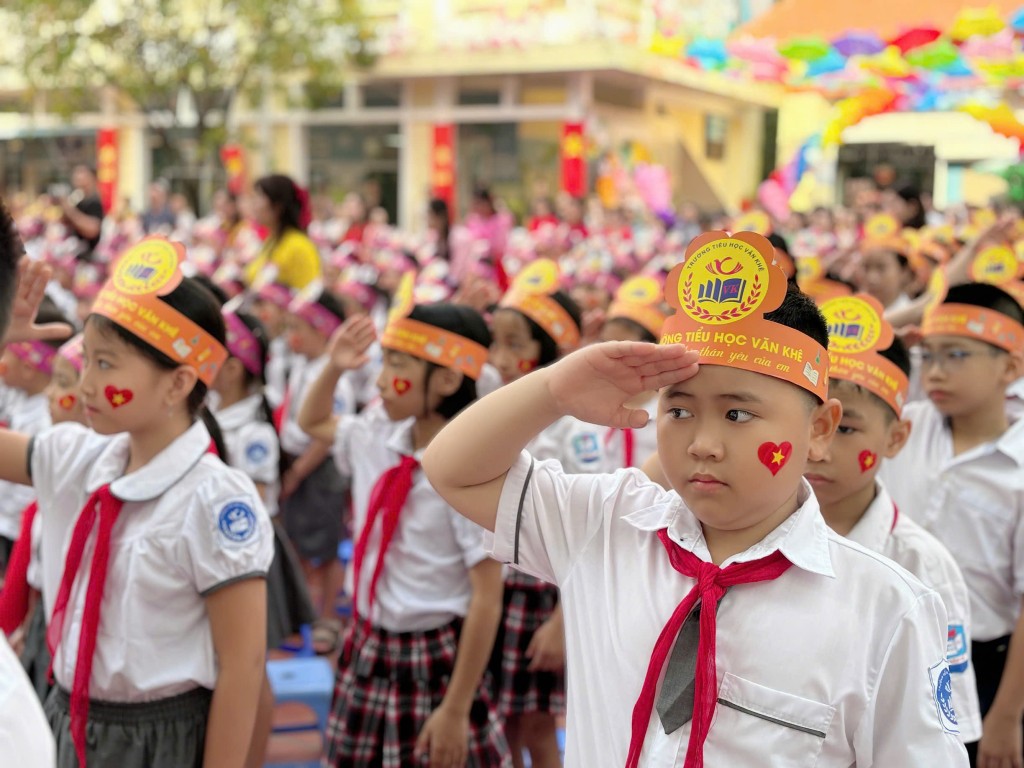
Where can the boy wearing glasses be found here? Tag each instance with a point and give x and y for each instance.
(961, 476)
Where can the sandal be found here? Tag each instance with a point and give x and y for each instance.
(326, 636)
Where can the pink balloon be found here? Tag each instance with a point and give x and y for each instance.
(774, 199)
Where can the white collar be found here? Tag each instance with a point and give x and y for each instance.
(400, 441)
(240, 413)
(155, 478)
(802, 537)
(875, 525)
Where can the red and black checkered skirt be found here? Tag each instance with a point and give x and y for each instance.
(387, 685)
(529, 602)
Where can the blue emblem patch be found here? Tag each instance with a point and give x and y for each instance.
(256, 452)
(586, 447)
(237, 522)
(956, 648)
(942, 689)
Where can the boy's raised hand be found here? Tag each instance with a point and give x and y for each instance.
(594, 383)
(348, 345)
(32, 279)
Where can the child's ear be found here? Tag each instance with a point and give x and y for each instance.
(446, 381)
(183, 381)
(899, 433)
(1014, 368)
(825, 420)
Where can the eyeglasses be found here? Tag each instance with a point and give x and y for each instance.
(948, 359)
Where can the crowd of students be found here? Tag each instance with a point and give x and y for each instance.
(825, 443)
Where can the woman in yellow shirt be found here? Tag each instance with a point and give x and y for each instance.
(280, 205)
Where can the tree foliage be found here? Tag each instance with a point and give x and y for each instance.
(183, 63)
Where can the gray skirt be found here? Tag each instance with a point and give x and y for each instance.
(288, 603)
(36, 656)
(169, 733)
(315, 516)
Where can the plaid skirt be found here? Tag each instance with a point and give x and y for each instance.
(388, 684)
(529, 602)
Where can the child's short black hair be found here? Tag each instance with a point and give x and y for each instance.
(200, 306)
(332, 304)
(898, 355)
(799, 312)
(635, 327)
(48, 313)
(987, 296)
(466, 322)
(218, 293)
(548, 346)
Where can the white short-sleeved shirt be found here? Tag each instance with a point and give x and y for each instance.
(252, 446)
(645, 441)
(26, 740)
(578, 446)
(30, 417)
(840, 661)
(302, 375)
(279, 362)
(906, 543)
(189, 525)
(1015, 399)
(974, 504)
(425, 581)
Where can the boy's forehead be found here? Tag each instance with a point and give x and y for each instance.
(724, 382)
(940, 341)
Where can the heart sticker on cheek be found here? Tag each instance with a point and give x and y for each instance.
(525, 366)
(774, 456)
(118, 397)
(67, 402)
(401, 386)
(867, 460)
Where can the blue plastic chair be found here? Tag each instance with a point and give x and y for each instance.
(307, 680)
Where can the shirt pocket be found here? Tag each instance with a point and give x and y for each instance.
(756, 723)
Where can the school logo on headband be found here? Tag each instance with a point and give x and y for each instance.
(405, 297)
(539, 277)
(753, 221)
(882, 227)
(723, 282)
(996, 264)
(149, 267)
(640, 290)
(854, 326)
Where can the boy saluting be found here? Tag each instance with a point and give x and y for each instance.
(723, 623)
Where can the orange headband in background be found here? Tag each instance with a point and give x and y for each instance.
(131, 298)
(973, 322)
(640, 299)
(428, 342)
(721, 293)
(857, 333)
(531, 294)
(883, 232)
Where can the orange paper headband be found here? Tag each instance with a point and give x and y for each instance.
(721, 293)
(857, 333)
(131, 298)
(639, 300)
(435, 345)
(973, 322)
(531, 294)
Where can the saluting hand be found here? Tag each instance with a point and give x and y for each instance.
(348, 345)
(595, 383)
(32, 279)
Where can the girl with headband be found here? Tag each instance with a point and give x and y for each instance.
(426, 599)
(314, 496)
(535, 324)
(154, 552)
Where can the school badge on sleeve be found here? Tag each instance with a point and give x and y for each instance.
(942, 691)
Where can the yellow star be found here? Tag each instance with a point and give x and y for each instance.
(118, 399)
(869, 461)
(778, 457)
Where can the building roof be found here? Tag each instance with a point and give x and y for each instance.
(886, 18)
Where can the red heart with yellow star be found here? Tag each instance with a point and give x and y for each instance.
(401, 386)
(67, 402)
(774, 456)
(118, 397)
(867, 460)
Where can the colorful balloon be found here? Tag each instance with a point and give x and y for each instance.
(805, 48)
(915, 38)
(971, 22)
(937, 56)
(858, 44)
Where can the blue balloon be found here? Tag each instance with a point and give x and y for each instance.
(1017, 21)
(710, 53)
(827, 64)
(958, 68)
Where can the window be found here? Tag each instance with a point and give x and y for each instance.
(716, 129)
